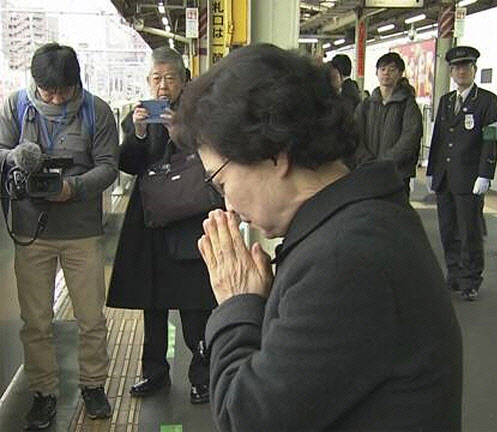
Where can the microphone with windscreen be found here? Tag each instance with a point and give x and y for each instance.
(28, 157)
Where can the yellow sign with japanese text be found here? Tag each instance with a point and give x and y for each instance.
(220, 14)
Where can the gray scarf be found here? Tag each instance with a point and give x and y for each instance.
(56, 112)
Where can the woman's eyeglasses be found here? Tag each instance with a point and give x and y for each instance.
(208, 180)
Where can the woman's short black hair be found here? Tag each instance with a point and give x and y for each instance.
(389, 58)
(260, 101)
(54, 66)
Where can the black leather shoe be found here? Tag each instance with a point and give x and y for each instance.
(42, 412)
(149, 386)
(199, 394)
(470, 295)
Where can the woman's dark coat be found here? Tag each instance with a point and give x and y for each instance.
(157, 268)
(358, 333)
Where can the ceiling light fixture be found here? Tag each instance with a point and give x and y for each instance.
(165, 21)
(326, 45)
(161, 8)
(393, 35)
(339, 42)
(386, 28)
(464, 3)
(308, 40)
(415, 18)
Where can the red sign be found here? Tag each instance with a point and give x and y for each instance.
(361, 48)
(420, 65)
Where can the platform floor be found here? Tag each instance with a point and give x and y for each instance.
(172, 412)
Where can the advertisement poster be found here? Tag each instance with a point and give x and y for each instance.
(419, 58)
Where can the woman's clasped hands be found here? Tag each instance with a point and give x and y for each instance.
(233, 268)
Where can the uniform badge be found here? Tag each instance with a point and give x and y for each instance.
(469, 122)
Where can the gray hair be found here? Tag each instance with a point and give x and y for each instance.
(166, 55)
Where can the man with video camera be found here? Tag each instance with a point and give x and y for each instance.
(58, 148)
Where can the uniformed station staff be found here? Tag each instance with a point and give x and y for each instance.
(460, 167)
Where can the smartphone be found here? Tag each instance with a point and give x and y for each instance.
(155, 108)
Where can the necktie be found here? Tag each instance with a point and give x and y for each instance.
(458, 104)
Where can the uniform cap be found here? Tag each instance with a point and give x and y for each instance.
(462, 54)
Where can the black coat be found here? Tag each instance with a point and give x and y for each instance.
(358, 333)
(391, 131)
(457, 148)
(350, 92)
(156, 268)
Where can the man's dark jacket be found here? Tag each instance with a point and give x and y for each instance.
(156, 268)
(350, 92)
(457, 149)
(391, 131)
(358, 333)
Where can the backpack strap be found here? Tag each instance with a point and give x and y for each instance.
(23, 104)
(88, 112)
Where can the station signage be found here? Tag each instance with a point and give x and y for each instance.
(191, 23)
(393, 3)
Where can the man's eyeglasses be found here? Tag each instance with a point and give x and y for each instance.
(208, 180)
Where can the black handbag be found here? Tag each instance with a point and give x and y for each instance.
(175, 190)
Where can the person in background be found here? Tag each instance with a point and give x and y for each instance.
(390, 121)
(460, 167)
(355, 330)
(350, 89)
(54, 121)
(335, 77)
(158, 269)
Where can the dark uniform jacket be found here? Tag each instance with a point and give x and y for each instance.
(358, 333)
(392, 131)
(156, 268)
(457, 150)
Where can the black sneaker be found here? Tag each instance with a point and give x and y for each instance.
(96, 402)
(42, 412)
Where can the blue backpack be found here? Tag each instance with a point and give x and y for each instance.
(87, 110)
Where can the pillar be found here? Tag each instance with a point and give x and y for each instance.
(276, 22)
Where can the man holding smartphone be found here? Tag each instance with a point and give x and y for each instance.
(158, 269)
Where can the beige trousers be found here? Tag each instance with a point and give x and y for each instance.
(82, 263)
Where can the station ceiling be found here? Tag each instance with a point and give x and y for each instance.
(326, 20)
(332, 20)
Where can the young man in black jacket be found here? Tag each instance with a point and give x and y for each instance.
(390, 121)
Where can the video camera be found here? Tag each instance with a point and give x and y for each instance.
(34, 175)
(46, 182)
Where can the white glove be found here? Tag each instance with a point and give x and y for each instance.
(481, 186)
(429, 184)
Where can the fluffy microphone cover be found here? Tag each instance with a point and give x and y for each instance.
(28, 157)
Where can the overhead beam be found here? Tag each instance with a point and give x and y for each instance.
(339, 22)
(165, 34)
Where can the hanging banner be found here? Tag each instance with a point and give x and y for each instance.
(361, 48)
(191, 23)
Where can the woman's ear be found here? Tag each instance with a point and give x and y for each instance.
(282, 163)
